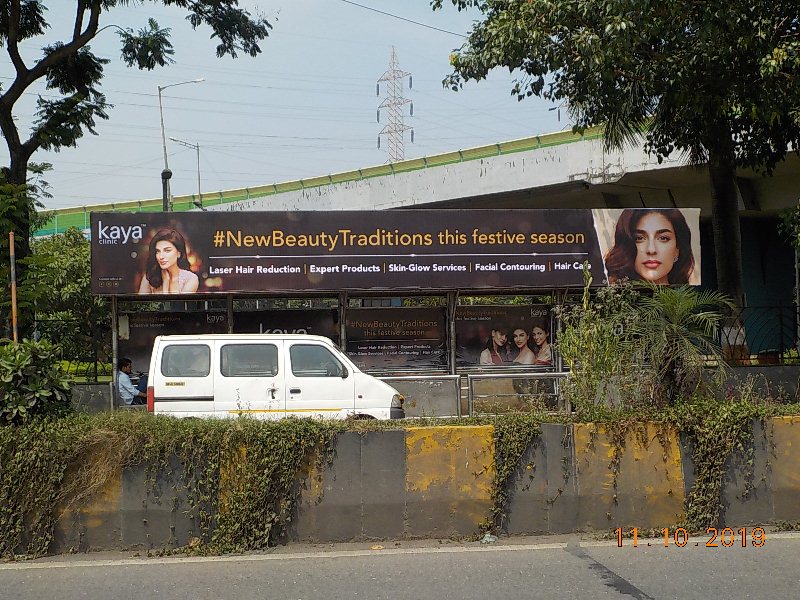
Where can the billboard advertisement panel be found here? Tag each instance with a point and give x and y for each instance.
(507, 335)
(137, 331)
(320, 251)
(387, 339)
(311, 321)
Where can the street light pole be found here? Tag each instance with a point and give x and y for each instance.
(166, 174)
(197, 148)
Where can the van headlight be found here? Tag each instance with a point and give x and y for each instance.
(397, 400)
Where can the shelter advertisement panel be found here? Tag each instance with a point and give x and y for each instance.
(387, 339)
(322, 321)
(509, 335)
(318, 251)
(137, 331)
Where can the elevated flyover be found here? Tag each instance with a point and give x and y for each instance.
(557, 170)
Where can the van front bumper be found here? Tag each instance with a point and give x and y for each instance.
(397, 413)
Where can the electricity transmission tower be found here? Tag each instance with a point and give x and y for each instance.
(394, 102)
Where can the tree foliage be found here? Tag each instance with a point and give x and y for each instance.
(66, 311)
(790, 226)
(716, 82)
(17, 201)
(67, 275)
(32, 382)
(676, 331)
(639, 345)
(73, 75)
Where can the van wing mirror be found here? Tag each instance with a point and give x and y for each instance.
(345, 372)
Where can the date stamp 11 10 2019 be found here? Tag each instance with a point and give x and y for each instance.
(726, 538)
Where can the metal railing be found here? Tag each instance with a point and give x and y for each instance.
(764, 335)
(429, 395)
(86, 354)
(529, 390)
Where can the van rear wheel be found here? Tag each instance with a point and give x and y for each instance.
(363, 417)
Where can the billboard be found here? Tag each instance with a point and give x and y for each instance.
(311, 321)
(388, 339)
(505, 335)
(319, 251)
(137, 331)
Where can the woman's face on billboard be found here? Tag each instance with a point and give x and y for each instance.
(520, 338)
(539, 336)
(499, 337)
(166, 254)
(656, 248)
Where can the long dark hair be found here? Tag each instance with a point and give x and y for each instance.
(621, 259)
(513, 350)
(544, 326)
(502, 352)
(153, 268)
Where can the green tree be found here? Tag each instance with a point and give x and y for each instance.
(16, 200)
(674, 332)
(790, 226)
(66, 311)
(74, 73)
(32, 382)
(718, 82)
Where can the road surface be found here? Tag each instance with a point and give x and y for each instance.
(544, 567)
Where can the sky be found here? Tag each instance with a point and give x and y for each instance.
(306, 106)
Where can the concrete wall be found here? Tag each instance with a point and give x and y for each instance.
(437, 482)
(422, 482)
(91, 397)
(779, 382)
(762, 481)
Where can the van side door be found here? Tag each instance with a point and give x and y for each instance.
(184, 386)
(317, 382)
(250, 379)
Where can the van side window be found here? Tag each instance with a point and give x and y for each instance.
(314, 361)
(186, 360)
(249, 360)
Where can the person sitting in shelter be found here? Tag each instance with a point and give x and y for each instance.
(128, 394)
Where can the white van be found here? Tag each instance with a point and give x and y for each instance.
(268, 376)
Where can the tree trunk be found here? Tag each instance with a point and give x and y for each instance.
(725, 223)
(16, 174)
(728, 253)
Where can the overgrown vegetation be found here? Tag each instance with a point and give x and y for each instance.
(715, 430)
(36, 459)
(635, 355)
(514, 434)
(238, 476)
(32, 381)
(641, 353)
(603, 368)
(639, 346)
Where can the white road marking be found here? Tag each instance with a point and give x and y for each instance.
(170, 560)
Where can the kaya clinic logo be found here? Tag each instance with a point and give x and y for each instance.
(119, 234)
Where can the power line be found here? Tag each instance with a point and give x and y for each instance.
(461, 35)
